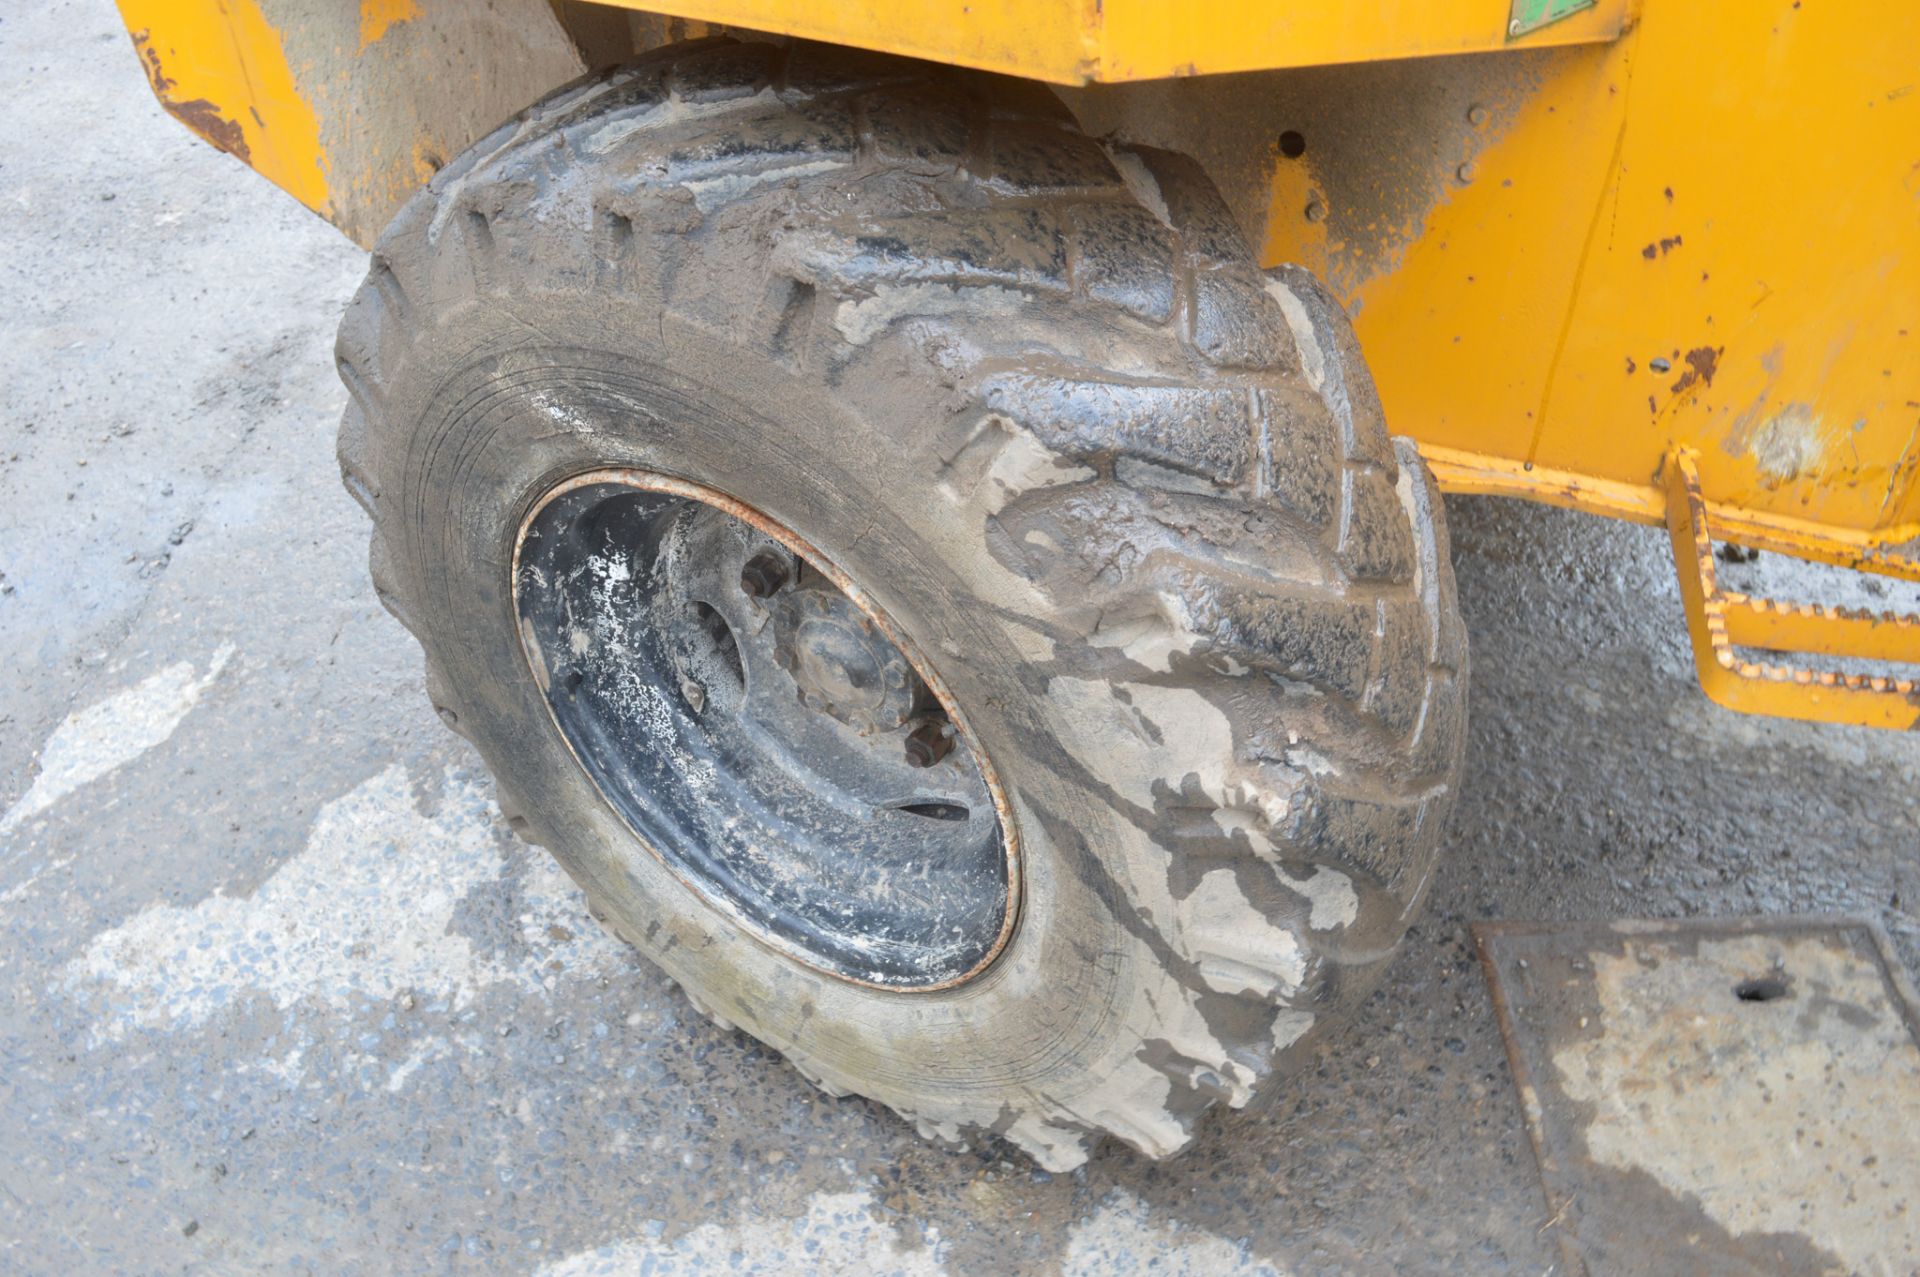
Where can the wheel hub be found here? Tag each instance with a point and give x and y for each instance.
(758, 723)
(840, 664)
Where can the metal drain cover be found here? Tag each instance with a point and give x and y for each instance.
(1738, 1096)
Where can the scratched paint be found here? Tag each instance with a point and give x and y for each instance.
(223, 70)
(1787, 445)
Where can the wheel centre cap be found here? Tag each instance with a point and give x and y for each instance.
(840, 664)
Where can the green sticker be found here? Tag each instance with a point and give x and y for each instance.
(1531, 15)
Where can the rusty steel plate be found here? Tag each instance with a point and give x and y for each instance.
(1736, 1096)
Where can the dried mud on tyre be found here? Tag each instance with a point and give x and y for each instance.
(1131, 497)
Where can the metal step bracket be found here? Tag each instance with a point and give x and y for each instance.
(1726, 627)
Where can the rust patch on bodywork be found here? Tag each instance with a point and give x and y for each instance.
(1702, 363)
(198, 114)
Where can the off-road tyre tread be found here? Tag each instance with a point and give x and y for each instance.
(1238, 430)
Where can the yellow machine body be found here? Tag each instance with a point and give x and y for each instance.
(1650, 259)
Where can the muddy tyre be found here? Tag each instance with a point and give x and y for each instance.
(1020, 404)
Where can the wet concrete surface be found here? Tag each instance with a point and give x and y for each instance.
(279, 993)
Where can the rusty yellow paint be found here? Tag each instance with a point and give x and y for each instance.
(376, 16)
(1886, 552)
(1698, 235)
(1779, 625)
(219, 67)
(1109, 41)
(349, 123)
(1720, 624)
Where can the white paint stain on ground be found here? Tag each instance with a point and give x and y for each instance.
(1120, 1240)
(363, 913)
(839, 1234)
(21, 890)
(398, 1076)
(111, 733)
(1797, 1116)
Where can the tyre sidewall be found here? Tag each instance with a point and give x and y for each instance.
(503, 420)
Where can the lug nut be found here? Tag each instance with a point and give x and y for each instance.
(764, 573)
(927, 744)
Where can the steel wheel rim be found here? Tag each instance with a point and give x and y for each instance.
(629, 587)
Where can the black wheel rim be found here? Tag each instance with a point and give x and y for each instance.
(765, 730)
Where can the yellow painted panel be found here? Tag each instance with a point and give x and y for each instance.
(1148, 39)
(1056, 40)
(1884, 551)
(1765, 241)
(1825, 631)
(1082, 41)
(1706, 234)
(1779, 682)
(218, 66)
(1461, 325)
(348, 107)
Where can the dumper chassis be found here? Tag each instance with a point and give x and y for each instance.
(924, 550)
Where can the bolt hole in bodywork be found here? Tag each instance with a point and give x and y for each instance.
(757, 722)
(1761, 989)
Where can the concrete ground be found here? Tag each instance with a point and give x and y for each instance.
(278, 991)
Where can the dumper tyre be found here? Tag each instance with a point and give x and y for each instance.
(1017, 401)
